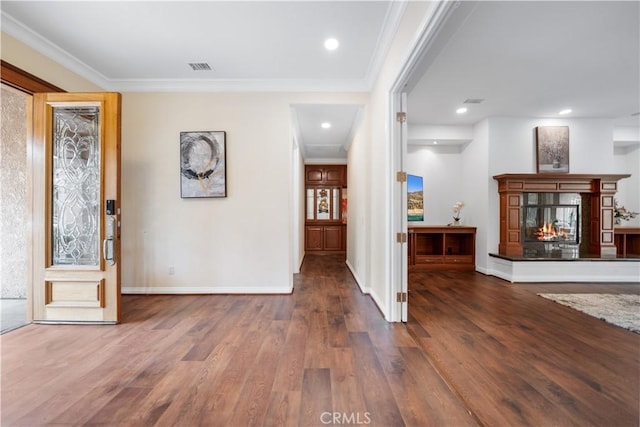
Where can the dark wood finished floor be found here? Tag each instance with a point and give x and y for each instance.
(476, 351)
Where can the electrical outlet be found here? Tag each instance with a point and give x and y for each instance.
(172, 270)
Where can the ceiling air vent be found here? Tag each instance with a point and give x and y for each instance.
(473, 101)
(200, 66)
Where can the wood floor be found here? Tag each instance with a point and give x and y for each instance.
(476, 351)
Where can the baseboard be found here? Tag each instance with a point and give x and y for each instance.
(366, 290)
(194, 290)
(378, 302)
(483, 270)
(363, 289)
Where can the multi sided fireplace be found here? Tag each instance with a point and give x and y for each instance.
(551, 224)
(551, 217)
(522, 221)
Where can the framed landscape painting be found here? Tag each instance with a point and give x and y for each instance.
(415, 199)
(552, 149)
(203, 166)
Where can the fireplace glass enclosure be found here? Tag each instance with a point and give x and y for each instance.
(550, 221)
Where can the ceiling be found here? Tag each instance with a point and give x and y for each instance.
(522, 58)
(249, 46)
(531, 59)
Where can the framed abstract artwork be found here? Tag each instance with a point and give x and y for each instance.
(203, 165)
(552, 149)
(415, 198)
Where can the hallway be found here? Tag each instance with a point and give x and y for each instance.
(476, 351)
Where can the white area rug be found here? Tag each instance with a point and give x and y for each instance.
(621, 310)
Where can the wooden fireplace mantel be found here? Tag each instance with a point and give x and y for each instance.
(601, 189)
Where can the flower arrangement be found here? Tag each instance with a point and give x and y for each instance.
(457, 208)
(620, 213)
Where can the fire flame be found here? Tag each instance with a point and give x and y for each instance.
(548, 232)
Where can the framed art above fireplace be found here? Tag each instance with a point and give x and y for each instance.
(552, 149)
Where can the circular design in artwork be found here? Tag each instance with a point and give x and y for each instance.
(199, 155)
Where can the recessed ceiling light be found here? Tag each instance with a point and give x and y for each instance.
(325, 125)
(461, 110)
(331, 44)
(435, 142)
(565, 111)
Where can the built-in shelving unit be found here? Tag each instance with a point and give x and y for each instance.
(325, 220)
(442, 247)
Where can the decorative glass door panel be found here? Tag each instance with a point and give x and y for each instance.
(76, 186)
(335, 206)
(323, 204)
(76, 214)
(311, 204)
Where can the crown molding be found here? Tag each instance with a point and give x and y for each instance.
(391, 25)
(238, 85)
(52, 51)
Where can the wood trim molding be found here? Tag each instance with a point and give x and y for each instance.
(23, 81)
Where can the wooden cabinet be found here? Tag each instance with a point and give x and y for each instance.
(627, 240)
(333, 238)
(442, 247)
(325, 228)
(314, 238)
(321, 238)
(326, 175)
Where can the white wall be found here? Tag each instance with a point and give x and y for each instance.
(235, 244)
(627, 160)
(480, 191)
(298, 202)
(373, 170)
(241, 243)
(442, 177)
(358, 212)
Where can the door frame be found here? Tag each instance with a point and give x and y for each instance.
(410, 73)
(23, 81)
(77, 293)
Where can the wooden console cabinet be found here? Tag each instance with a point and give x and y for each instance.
(627, 241)
(442, 247)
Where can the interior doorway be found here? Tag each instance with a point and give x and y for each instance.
(431, 40)
(19, 85)
(13, 208)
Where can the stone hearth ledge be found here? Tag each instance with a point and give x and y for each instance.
(555, 270)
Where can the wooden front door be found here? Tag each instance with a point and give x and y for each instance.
(76, 207)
